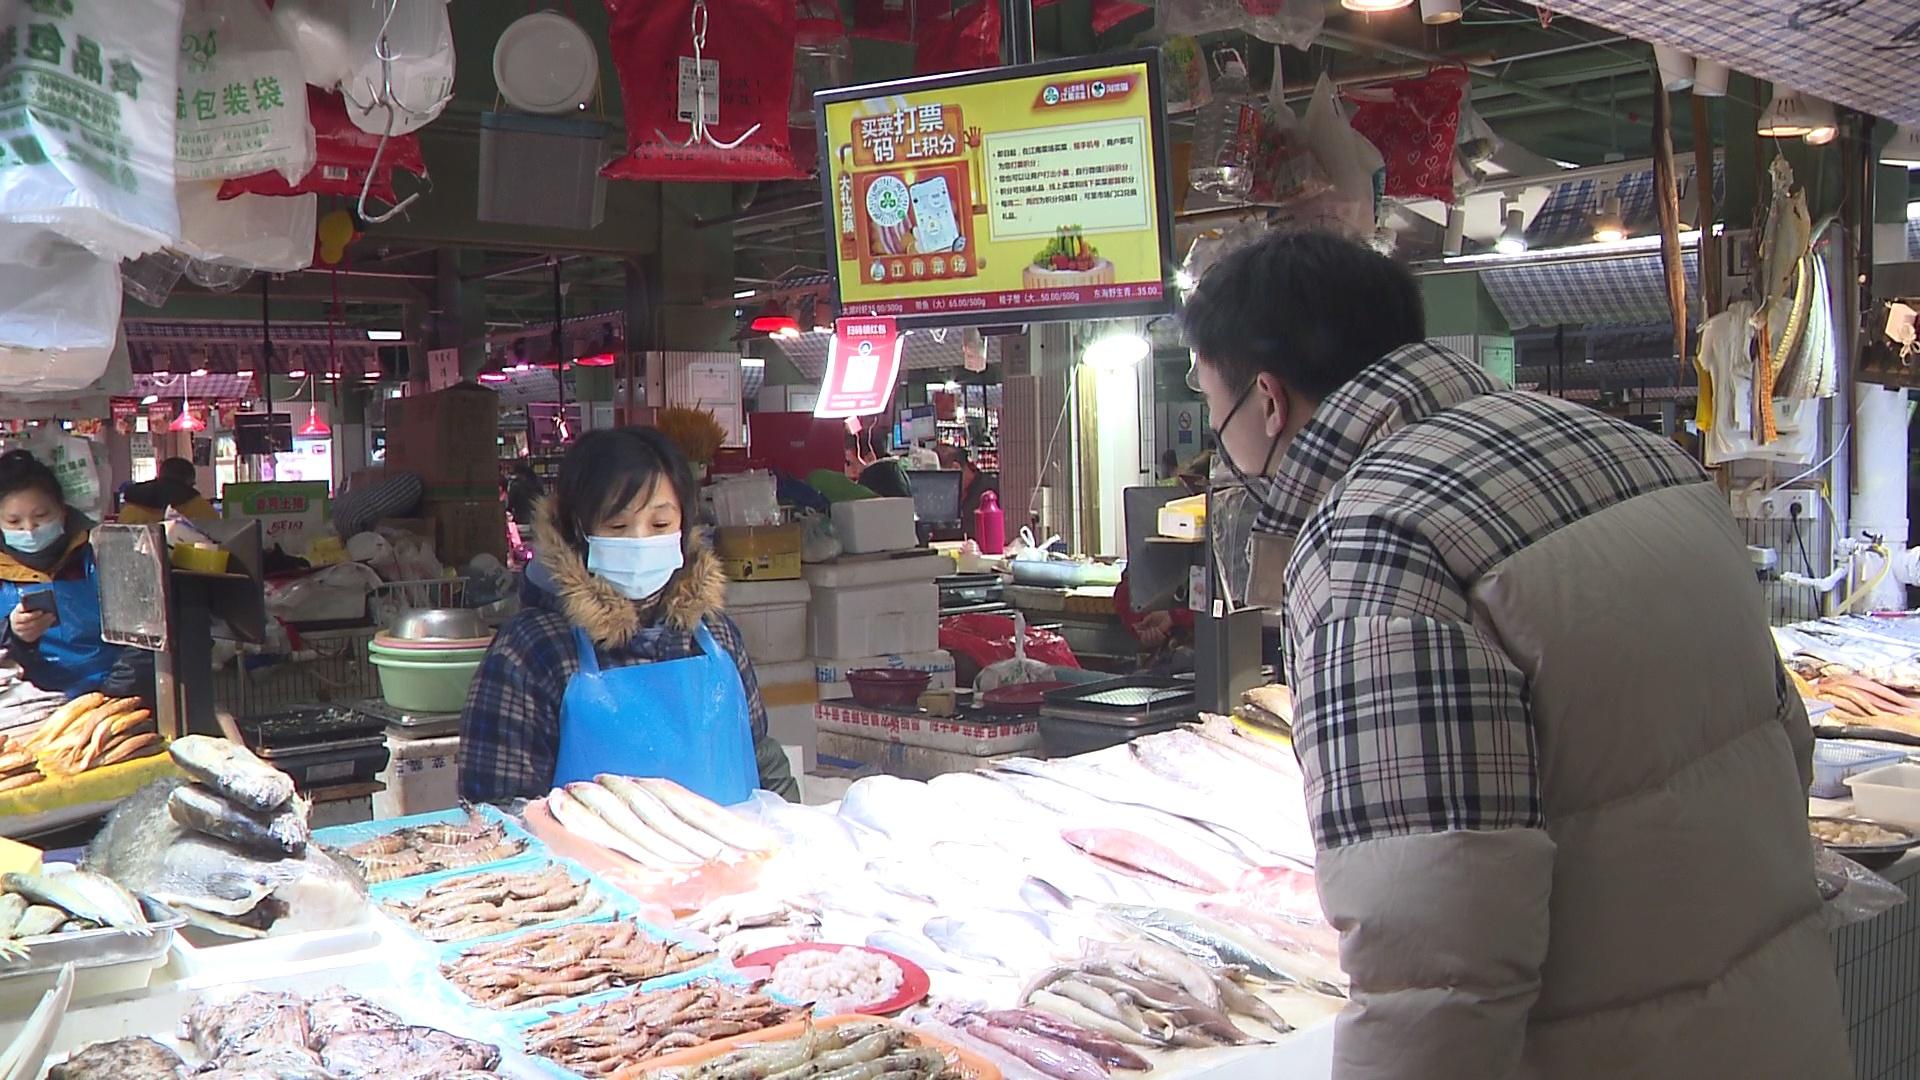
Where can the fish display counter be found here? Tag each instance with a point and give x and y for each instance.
(1147, 910)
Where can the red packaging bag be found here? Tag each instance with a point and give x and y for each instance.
(746, 66)
(988, 639)
(1414, 124)
(342, 156)
(966, 40)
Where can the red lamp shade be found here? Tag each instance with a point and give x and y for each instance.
(777, 325)
(596, 360)
(314, 425)
(187, 421)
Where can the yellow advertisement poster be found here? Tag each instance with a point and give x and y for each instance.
(999, 195)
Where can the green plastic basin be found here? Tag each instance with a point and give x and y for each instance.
(416, 686)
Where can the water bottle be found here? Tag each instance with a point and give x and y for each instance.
(1225, 133)
(990, 525)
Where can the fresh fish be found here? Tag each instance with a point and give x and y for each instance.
(1294, 963)
(83, 895)
(1310, 935)
(826, 838)
(1164, 1003)
(1239, 999)
(1074, 1012)
(902, 810)
(284, 833)
(1161, 963)
(1220, 731)
(145, 850)
(923, 951)
(1106, 1050)
(38, 921)
(1283, 891)
(1085, 809)
(710, 818)
(1116, 1008)
(233, 771)
(12, 906)
(657, 817)
(1057, 1059)
(1142, 854)
(640, 840)
(1010, 940)
(580, 820)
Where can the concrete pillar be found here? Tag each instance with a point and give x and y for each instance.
(1880, 482)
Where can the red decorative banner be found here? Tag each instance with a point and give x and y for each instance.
(862, 363)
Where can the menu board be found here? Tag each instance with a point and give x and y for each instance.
(1005, 195)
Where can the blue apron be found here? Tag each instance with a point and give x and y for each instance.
(685, 720)
(70, 658)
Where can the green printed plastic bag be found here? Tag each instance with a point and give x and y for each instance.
(242, 103)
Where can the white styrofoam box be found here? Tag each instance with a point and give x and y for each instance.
(840, 575)
(831, 674)
(1890, 793)
(782, 674)
(422, 775)
(870, 525)
(772, 616)
(793, 726)
(901, 617)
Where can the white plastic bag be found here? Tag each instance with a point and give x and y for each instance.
(242, 107)
(58, 321)
(89, 89)
(260, 232)
(317, 31)
(72, 460)
(1286, 22)
(419, 82)
(1354, 168)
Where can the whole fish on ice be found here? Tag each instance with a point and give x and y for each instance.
(1137, 853)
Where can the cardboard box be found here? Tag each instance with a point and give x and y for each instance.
(468, 528)
(446, 437)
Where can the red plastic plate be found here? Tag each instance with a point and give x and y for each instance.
(913, 978)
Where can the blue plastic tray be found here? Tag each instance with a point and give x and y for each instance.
(342, 836)
(517, 1026)
(613, 903)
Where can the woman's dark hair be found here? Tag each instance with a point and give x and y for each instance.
(606, 470)
(1311, 308)
(21, 471)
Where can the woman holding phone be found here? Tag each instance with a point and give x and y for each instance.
(50, 590)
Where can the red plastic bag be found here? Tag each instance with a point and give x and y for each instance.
(748, 59)
(963, 41)
(987, 639)
(342, 155)
(1414, 124)
(882, 20)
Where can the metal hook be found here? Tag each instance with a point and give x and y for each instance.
(698, 122)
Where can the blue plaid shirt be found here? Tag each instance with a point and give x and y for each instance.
(510, 729)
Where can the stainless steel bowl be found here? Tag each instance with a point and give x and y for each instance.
(438, 624)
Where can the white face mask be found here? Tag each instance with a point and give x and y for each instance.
(37, 539)
(637, 567)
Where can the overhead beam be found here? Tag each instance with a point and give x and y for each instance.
(1352, 43)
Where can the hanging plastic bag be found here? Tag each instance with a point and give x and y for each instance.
(58, 320)
(1285, 22)
(90, 158)
(1184, 65)
(342, 156)
(252, 231)
(403, 64)
(239, 109)
(1284, 168)
(1195, 17)
(965, 40)
(72, 461)
(1414, 123)
(728, 123)
(983, 640)
(317, 31)
(151, 278)
(1354, 169)
(1850, 892)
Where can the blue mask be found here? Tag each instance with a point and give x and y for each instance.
(34, 541)
(637, 568)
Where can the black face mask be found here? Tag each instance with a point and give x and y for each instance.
(1220, 445)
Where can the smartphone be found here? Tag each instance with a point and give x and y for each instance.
(41, 600)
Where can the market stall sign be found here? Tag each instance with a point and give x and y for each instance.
(291, 514)
(862, 363)
(1011, 194)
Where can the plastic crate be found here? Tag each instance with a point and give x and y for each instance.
(1834, 760)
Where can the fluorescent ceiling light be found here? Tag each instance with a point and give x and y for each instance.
(743, 294)
(198, 373)
(752, 362)
(1903, 148)
(150, 399)
(297, 373)
(1374, 5)
(1688, 238)
(384, 335)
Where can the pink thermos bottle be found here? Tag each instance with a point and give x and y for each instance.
(990, 525)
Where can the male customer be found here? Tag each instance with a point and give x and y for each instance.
(1554, 770)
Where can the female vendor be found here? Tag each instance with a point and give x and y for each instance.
(50, 590)
(622, 661)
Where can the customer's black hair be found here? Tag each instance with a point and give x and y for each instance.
(604, 471)
(21, 471)
(1312, 308)
(178, 469)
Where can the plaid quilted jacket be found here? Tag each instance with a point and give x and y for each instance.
(1556, 779)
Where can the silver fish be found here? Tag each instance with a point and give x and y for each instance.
(1262, 960)
(39, 921)
(233, 771)
(83, 895)
(12, 906)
